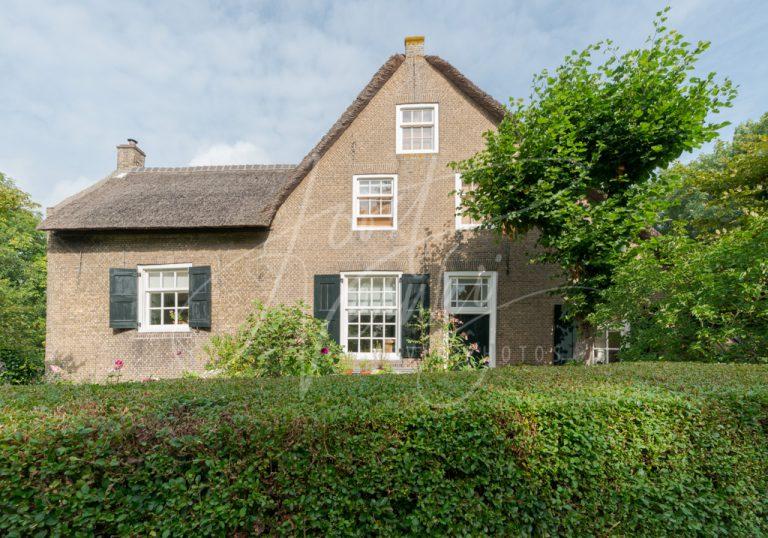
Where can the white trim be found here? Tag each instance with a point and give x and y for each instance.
(355, 209)
(490, 309)
(344, 320)
(457, 198)
(143, 311)
(399, 131)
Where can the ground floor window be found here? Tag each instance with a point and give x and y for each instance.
(607, 346)
(164, 298)
(370, 318)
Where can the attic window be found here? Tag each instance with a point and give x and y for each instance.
(417, 128)
(374, 203)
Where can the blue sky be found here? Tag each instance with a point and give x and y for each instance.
(225, 82)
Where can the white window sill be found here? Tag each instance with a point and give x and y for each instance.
(375, 356)
(166, 329)
(415, 151)
(373, 229)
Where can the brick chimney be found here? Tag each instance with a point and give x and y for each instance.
(414, 46)
(129, 155)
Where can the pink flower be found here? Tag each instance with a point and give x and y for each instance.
(179, 352)
(325, 351)
(56, 369)
(119, 364)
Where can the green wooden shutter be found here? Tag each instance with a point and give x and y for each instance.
(565, 336)
(327, 303)
(414, 291)
(123, 298)
(200, 297)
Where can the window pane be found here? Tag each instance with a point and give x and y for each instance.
(365, 284)
(168, 280)
(390, 331)
(352, 298)
(390, 318)
(353, 331)
(354, 317)
(426, 115)
(352, 346)
(168, 317)
(614, 339)
(407, 115)
(154, 299)
(182, 280)
(169, 299)
(154, 317)
(365, 330)
(469, 292)
(183, 299)
(364, 186)
(389, 346)
(365, 346)
(385, 207)
(386, 187)
(377, 331)
(183, 315)
(155, 280)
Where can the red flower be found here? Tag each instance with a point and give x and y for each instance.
(119, 364)
(325, 351)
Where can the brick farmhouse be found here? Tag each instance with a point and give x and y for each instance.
(148, 263)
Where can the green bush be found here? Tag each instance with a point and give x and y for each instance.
(21, 366)
(444, 345)
(650, 449)
(276, 341)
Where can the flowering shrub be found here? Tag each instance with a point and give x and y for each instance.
(276, 341)
(452, 349)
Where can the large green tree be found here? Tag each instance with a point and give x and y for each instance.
(22, 286)
(578, 161)
(700, 291)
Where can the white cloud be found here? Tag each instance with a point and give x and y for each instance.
(237, 153)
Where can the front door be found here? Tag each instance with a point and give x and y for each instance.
(470, 296)
(477, 328)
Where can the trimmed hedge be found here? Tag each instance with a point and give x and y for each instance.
(650, 449)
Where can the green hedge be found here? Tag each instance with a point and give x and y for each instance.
(649, 449)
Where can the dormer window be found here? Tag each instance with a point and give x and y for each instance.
(417, 128)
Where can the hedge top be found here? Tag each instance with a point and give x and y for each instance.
(338, 396)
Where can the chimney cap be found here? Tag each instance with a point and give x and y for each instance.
(133, 141)
(414, 45)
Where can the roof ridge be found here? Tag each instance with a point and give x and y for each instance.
(210, 168)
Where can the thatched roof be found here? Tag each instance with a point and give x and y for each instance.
(224, 196)
(176, 198)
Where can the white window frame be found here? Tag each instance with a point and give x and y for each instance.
(490, 309)
(372, 356)
(356, 208)
(459, 224)
(143, 314)
(435, 124)
(601, 351)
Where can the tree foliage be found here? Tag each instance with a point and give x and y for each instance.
(22, 286)
(578, 161)
(700, 292)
